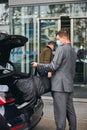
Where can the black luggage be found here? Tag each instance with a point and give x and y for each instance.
(32, 87)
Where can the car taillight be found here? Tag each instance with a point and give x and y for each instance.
(3, 101)
(19, 127)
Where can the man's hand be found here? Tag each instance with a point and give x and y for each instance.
(49, 74)
(34, 64)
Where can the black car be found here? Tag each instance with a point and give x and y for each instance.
(3, 123)
(18, 114)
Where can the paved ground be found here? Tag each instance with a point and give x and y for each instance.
(47, 121)
(49, 124)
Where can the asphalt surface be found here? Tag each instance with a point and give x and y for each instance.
(47, 122)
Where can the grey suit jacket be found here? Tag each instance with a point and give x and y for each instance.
(63, 68)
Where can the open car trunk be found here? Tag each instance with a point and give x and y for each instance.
(8, 42)
(22, 86)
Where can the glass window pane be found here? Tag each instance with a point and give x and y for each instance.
(4, 14)
(78, 9)
(48, 30)
(80, 45)
(25, 23)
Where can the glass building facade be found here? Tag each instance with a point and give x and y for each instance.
(39, 23)
(4, 16)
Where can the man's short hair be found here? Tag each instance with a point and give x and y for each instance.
(63, 32)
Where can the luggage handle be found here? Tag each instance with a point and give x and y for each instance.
(31, 72)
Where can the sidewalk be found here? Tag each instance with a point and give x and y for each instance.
(47, 122)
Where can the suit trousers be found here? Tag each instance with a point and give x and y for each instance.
(63, 108)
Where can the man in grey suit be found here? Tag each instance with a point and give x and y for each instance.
(63, 70)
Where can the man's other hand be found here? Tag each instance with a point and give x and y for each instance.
(34, 64)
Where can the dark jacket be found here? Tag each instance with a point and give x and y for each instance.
(46, 55)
